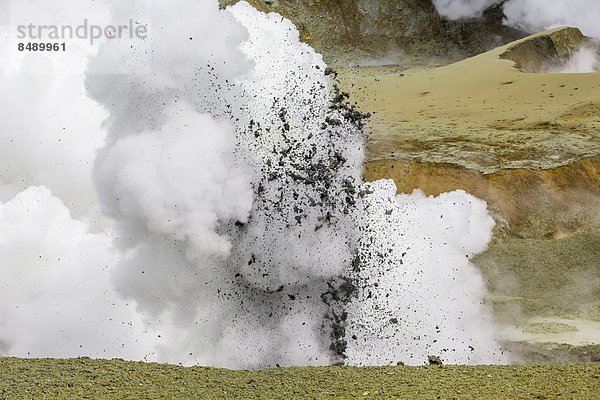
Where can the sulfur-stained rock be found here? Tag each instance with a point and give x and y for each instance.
(527, 203)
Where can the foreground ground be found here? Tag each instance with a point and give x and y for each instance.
(117, 379)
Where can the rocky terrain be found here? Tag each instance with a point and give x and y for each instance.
(370, 32)
(539, 52)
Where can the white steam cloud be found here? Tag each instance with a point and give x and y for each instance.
(539, 15)
(57, 300)
(418, 278)
(531, 15)
(458, 9)
(585, 60)
(208, 207)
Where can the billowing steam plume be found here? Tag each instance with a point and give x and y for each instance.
(231, 226)
(457, 9)
(539, 15)
(531, 15)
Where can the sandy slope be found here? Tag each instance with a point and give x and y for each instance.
(481, 112)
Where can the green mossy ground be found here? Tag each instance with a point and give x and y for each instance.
(117, 379)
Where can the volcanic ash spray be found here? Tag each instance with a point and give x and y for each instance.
(237, 222)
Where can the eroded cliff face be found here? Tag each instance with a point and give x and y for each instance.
(388, 31)
(527, 203)
(553, 49)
